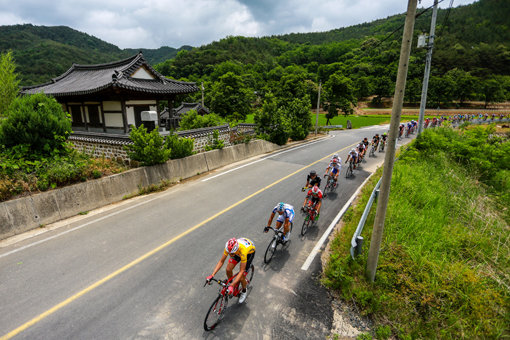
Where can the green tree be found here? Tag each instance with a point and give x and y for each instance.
(272, 122)
(297, 112)
(192, 120)
(338, 95)
(464, 85)
(229, 97)
(492, 91)
(9, 82)
(37, 121)
(147, 148)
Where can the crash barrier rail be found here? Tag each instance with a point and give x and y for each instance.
(357, 239)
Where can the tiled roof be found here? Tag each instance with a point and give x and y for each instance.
(87, 79)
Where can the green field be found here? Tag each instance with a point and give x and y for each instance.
(356, 121)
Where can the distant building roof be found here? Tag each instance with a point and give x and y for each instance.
(133, 74)
(185, 107)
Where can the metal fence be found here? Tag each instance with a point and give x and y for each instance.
(357, 239)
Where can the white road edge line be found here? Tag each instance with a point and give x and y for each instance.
(328, 231)
(259, 160)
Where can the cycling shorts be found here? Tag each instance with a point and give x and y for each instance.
(236, 259)
(334, 171)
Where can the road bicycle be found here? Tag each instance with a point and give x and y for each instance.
(381, 148)
(349, 169)
(219, 306)
(372, 150)
(330, 184)
(275, 241)
(309, 218)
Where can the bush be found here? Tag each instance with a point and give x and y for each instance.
(37, 121)
(147, 148)
(179, 147)
(192, 120)
(215, 142)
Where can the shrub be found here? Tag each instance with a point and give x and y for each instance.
(215, 142)
(37, 121)
(192, 120)
(147, 148)
(179, 147)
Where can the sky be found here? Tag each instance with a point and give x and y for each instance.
(174, 23)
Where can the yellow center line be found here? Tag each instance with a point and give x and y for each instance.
(150, 253)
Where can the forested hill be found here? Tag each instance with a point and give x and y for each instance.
(474, 37)
(43, 52)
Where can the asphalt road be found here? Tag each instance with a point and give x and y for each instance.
(136, 270)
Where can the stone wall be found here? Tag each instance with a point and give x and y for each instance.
(112, 146)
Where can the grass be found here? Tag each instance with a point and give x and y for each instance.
(445, 258)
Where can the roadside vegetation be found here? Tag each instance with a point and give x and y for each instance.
(444, 263)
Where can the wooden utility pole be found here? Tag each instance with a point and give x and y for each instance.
(398, 99)
(318, 105)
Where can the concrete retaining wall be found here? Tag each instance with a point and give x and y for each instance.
(26, 213)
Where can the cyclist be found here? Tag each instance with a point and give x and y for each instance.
(375, 141)
(314, 199)
(335, 167)
(311, 180)
(240, 250)
(361, 150)
(384, 138)
(366, 142)
(353, 155)
(285, 216)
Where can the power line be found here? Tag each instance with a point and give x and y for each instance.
(417, 15)
(445, 21)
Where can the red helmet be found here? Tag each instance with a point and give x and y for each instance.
(231, 246)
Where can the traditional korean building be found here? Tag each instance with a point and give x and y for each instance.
(108, 98)
(171, 117)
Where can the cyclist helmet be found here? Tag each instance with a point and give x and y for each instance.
(377, 135)
(384, 134)
(335, 155)
(353, 150)
(313, 173)
(232, 246)
(315, 190)
(281, 206)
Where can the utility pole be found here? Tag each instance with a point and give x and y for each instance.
(428, 61)
(398, 99)
(318, 104)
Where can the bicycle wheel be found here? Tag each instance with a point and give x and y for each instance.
(348, 171)
(306, 224)
(271, 248)
(215, 312)
(249, 276)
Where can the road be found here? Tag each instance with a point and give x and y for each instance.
(135, 270)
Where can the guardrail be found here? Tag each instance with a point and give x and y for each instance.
(357, 239)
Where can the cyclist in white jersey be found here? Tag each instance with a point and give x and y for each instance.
(335, 166)
(285, 216)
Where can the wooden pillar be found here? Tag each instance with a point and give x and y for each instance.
(124, 115)
(102, 116)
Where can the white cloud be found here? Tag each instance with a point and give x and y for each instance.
(154, 23)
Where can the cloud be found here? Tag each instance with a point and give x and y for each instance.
(155, 23)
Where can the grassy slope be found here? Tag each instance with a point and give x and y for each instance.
(443, 268)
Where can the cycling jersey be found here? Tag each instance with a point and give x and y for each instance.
(316, 197)
(361, 146)
(288, 212)
(246, 247)
(335, 167)
(315, 181)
